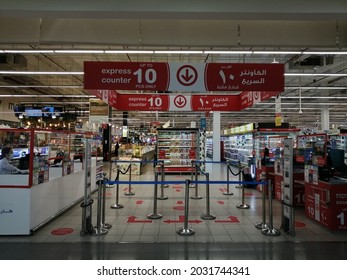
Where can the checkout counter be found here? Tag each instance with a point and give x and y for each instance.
(28, 201)
(326, 192)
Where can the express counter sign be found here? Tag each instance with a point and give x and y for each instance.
(161, 76)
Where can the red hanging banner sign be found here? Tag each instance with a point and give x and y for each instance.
(161, 76)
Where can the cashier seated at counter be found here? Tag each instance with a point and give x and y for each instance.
(266, 157)
(5, 163)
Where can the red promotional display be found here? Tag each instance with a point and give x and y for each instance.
(326, 204)
(161, 76)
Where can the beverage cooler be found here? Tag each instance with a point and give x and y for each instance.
(177, 148)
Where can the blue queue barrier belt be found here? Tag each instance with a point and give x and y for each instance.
(183, 182)
(159, 161)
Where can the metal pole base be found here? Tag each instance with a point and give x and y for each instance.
(185, 231)
(106, 225)
(196, 197)
(226, 193)
(154, 216)
(271, 232)
(163, 197)
(100, 232)
(261, 225)
(129, 193)
(117, 206)
(208, 217)
(243, 206)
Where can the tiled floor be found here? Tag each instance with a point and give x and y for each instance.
(232, 235)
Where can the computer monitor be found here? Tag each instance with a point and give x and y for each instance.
(337, 158)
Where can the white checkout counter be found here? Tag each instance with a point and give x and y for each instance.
(24, 207)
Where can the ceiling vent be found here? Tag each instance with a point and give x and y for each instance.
(308, 62)
(12, 61)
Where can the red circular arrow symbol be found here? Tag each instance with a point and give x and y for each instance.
(180, 101)
(187, 75)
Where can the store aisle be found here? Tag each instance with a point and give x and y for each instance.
(232, 235)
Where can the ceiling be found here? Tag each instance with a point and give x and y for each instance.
(271, 28)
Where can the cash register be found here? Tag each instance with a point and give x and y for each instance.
(335, 166)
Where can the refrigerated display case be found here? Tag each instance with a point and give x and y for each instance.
(177, 148)
(239, 145)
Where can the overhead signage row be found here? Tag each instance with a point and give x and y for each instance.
(178, 102)
(203, 77)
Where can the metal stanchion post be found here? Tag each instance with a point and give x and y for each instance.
(239, 165)
(162, 186)
(117, 205)
(110, 173)
(263, 224)
(99, 230)
(271, 231)
(196, 194)
(192, 185)
(129, 189)
(242, 205)
(155, 214)
(208, 215)
(185, 230)
(228, 179)
(103, 223)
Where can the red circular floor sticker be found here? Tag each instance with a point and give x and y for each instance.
(299, 224)
(62, 231)
(178, 207)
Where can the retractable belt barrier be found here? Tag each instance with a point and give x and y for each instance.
(195, 168)
(267, 228)
(117, 205)
(162, 185)
(129, 192)
(262, 224)
(207, 215)
(155, 214)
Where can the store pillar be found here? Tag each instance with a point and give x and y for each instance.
(325, 118)
(216, 136)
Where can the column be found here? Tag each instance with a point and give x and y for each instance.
(216, 136)
(325, 118)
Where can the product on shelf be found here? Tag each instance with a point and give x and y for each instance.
(177, 148)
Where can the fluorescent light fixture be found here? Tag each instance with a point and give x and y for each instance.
(325, 53)
(56, 102)
(179, 52)
(28, 51)
(79, 51)
(129, 51)
(39, 73)
(315, 74)
(174, 52)
(39, 86)
(46, 96)
(317, 88)
(277, 52)
(313, 97)
(228, 52)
